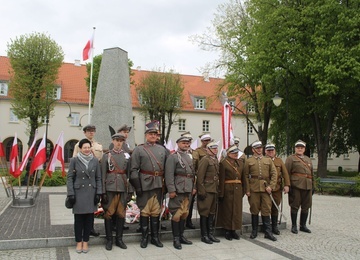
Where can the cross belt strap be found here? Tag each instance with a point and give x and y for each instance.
(186, 175)
(118, 171)
(302, 175)
(232, 181)
(155, 173)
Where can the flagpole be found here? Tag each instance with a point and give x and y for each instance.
(91, 75)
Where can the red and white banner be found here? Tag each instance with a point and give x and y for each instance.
(57, 155)
(88, 48)
(2, 151)
(29, 153)
(226, 125)
(14, 156)
(40, 157)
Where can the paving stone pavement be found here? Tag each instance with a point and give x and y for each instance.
(335, 225)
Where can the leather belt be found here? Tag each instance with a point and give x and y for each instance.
(232, 181)
(118, 172)
(185, 175)
(155, 173)
(302, 175)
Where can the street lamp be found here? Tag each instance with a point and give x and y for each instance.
(277, 102)
(80, 126)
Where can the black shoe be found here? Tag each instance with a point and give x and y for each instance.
(235, 235)
(294, 230)
(94, 233)
(190, 225)
(156, 241)
(108, 245)
(206, 240)
(228, 235)
(270, 236)
(176, 243)
(120, 243)
(276, 230)
(305, 229)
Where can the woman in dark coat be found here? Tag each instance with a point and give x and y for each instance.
(231, 192)
(84, 190)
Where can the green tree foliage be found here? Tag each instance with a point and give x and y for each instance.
(161, 98)
(96, 70)
(35, 60)
(308, 51)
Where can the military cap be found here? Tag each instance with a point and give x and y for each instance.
(89, 127)
(236, 140)
(256, 144)
(205, 137)
(152, 127)
(212, 145)
(118, 136)
(124, 127)
(233, 149)
(183, 139)
(300, 143)
(270, 146)
(188, 135)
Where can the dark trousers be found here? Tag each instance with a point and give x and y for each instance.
(83, 225)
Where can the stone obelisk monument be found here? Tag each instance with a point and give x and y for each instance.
(112, 104)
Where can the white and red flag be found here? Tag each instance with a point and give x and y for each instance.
(40, 157)
(14, 156)
(226, 125)
(2, 151)
(57, 155)
(29, 153)
(87, 51)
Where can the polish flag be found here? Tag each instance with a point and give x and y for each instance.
(2, 151)
(13, 156)
(226, 125)
(57, 155)
(29, 153)
(40, 157)
(88, 48)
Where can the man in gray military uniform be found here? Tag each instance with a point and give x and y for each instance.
(147, 176)
(115, 170)
(179, 179)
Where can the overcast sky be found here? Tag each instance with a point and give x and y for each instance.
(155, 33)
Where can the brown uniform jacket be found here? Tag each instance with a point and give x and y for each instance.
(259, 171)
(197, 155)
(283, 178)
(300, 171)
(96, 149)
(207, 175)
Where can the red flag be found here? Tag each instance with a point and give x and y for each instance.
(2, 151)
(57, 155)
(26, 157)
(88, 48)
(40, 157)
(226, 125)
(13, 156)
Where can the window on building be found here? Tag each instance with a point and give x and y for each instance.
(3, 89)
(75, 121)
(141, 101)
(330, 156)
(13, 118)
(250, 129)
(57, 93)
(250, 108)
(200, 103)
(206, 126)
(182, 125)
(346, 156)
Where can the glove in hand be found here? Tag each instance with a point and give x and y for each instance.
(97, 199)
(104, 199)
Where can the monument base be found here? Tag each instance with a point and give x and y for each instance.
(22, 202)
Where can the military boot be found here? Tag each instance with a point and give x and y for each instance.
(267, 228)
(204, 231)
(144, 224)
(183, 239)
(211, 229)
(234, 235)
(274, 224)
(175, 227)
(303, 218)
(108, 233)
(293, 223)
(228, 235)
(254, 225)
(119, 233)
(155, 225)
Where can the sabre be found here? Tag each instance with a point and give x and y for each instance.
(276, 206)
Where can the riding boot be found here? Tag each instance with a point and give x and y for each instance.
(267, 228)
(108, 233)
(119, 233)
(189, 223)
(155, 225)
(211, 229)
(183, 239)
(175, 227)
(293, 222)
(204, 231)
(228, 235)
(144, 224)
(274, 223)
(303, 218)
(254, 225)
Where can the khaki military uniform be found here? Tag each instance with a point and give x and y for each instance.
(96, 148)
(258, 172)
(197, 155)
(179, 178)
(302, 182)
(231, 189)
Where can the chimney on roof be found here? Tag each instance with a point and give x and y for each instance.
(138, 68)
(77, 63)
(206, 76)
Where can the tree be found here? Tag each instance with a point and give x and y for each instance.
(161, 98)
(35, 61)
(96, 70)
(308, 49)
